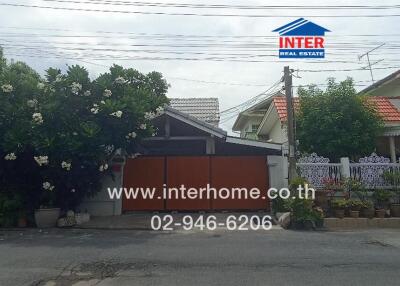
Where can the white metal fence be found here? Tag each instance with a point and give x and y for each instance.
(369, 170)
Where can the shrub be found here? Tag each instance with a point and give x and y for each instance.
(340, 204)
(60, 132)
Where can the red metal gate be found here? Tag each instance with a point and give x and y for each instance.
(196, 172)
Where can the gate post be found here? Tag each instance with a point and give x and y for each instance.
(345, 167)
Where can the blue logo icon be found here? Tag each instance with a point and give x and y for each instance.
(301, 39)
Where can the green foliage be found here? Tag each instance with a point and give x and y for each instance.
(382, 198)
(75, 123)
(336, 122)
(355, 205)
(340, 204)
(302, 210)
(11, 206)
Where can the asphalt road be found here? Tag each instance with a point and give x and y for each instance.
(276, 257)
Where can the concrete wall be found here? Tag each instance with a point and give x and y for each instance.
(278, 171)
(101, 204)
(277, 134)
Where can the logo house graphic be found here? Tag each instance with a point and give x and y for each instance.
(301, 39)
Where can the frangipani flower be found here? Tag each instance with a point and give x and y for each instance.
(41, 160)
(7, 88)
(10, 157)
(47, 186)
(37, 118)
(120, 80)
(103, 167)
(117, 114)
(65, 165)
(131, 135)
(40, 85)
(76, 87)
(87, 93)
(149, 115)
(107, 93)
(142, 126)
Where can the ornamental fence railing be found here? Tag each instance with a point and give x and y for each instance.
(369, 170)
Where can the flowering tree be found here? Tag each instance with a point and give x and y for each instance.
(59, 132)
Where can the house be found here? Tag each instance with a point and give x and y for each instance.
(249, 120)
(192, 152)
(205, 109)
(269, 121)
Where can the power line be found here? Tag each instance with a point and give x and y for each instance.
(191, 13)
(185, 35)
(225, 6)
(345, 70)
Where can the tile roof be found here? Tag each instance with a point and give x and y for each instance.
(383, 105)
(206, 109)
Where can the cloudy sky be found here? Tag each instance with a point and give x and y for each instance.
(227, 54)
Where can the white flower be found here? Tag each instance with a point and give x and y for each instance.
(10, 157)
(94, 110)
(40, 85)
(117, 114)
(131, 135)
(109, 149)
(76, 87)
(75, 133)
(58, 78)
(142, 126)
(103, 167)
(37, 118)
(149, 115)
(107, 93)
(32, 103)
(47, 186)
(159, 109)
(87, 93)
(7, 88)
(66, 165)
(102, 102)
(73, 190)
(120, 80)
(41, 160)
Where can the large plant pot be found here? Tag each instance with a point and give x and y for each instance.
(339, 213)
(395, 210)
(380, 213)
(354, 214)
(368, 213)
(46, 217)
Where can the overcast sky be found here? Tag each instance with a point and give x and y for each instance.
(42, 48)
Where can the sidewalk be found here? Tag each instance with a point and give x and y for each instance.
(142, 220)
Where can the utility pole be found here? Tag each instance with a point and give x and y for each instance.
(287, 78)
(369, 63)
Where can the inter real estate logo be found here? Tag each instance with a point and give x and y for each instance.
(301, 39)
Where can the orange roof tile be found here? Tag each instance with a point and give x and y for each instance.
(384, 107)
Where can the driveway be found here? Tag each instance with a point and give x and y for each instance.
(221, 257)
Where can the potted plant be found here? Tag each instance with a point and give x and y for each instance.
(47, 214)
(367, 209)
(355, 207)
(382, 200)
(339, 206)
(393, 179)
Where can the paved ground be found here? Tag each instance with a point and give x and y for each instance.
(128, 257)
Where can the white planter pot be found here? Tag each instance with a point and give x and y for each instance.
(46, 217)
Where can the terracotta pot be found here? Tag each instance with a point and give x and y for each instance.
(339, 213)
(368, 213)
(395, 210)
(380, 213)
(45, 218)
(354, 214)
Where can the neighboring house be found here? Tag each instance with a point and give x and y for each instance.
(249, 120)
(387, 87)
(269, 119)
(205, 109)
